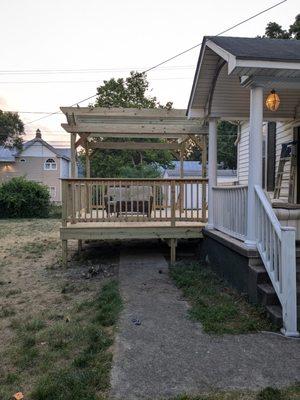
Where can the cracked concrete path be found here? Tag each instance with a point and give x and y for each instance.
(168, 354)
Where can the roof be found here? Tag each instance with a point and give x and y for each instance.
(194, 169)
(229, 66)
(8, 154)
(287, 50)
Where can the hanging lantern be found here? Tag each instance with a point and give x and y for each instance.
(273, 101)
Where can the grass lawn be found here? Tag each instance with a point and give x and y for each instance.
(219, 308)
(56, 325)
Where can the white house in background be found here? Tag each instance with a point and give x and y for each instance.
(193, 169)
(234, 77)
(38, 161)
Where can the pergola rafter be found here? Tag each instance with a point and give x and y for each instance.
(171, 126)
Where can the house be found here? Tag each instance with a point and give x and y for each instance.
(248, 237)
(251, 236)
(37, 161)
(193, 169)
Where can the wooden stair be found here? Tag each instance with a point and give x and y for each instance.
(265, 293)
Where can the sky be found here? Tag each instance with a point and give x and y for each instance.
(57, 52)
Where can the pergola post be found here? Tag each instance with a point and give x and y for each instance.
(87, 160)
(212, 168)
(255, 159)
(181, 197)
(73, 155)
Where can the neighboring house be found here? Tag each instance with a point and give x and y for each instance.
(38, 161)
(249, 232)
(193, 169)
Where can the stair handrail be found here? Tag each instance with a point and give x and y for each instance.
(277, 247)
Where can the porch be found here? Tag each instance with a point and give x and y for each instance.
(233, 80)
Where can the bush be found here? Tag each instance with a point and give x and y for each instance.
(20, 198)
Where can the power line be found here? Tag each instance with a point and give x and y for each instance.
(84, 70)
(87, 81)
(176, 55)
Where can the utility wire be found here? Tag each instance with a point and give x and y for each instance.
(173, 57)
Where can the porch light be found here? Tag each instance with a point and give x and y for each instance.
(273, 101)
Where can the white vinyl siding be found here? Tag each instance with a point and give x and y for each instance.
(243, 155)
(284, 134)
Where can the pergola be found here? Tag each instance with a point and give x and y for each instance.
(171, 127)
(114, 208)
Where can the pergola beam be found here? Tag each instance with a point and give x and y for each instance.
(136, 128)
(133, 146)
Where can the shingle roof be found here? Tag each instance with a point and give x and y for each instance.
(7, 154)
(287, 50)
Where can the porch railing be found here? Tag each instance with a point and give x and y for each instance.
(137, 200)
(230, 210)
(276, 246)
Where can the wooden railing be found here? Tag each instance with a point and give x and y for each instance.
(230, 210)
(137, 200)
(276, 246)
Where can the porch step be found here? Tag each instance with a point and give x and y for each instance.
(267, 294)
(274, 312)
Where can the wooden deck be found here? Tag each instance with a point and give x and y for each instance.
(97, 209)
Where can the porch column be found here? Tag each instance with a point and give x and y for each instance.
(255, 159)
(212, 168)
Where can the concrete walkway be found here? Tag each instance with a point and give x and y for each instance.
(168, 354)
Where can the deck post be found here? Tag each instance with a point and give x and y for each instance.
(173, 245)
(255, 157)
(173, 204)
(181, 197)
(87, 174)
(73, 155)
(64, 245)
(212, 168)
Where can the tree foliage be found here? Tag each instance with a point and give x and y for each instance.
(227, 151)
(11, 129)
(130, 92)
(20, 198)
(275, 31)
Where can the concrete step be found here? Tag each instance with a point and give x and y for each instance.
(267, 295)
(274, 312)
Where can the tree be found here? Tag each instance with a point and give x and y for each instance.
(227, 151)
(130, 93)
(11, 129)
(275, 31)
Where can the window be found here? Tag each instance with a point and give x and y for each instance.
(50, 164)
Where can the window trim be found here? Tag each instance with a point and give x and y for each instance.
(52, 165)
